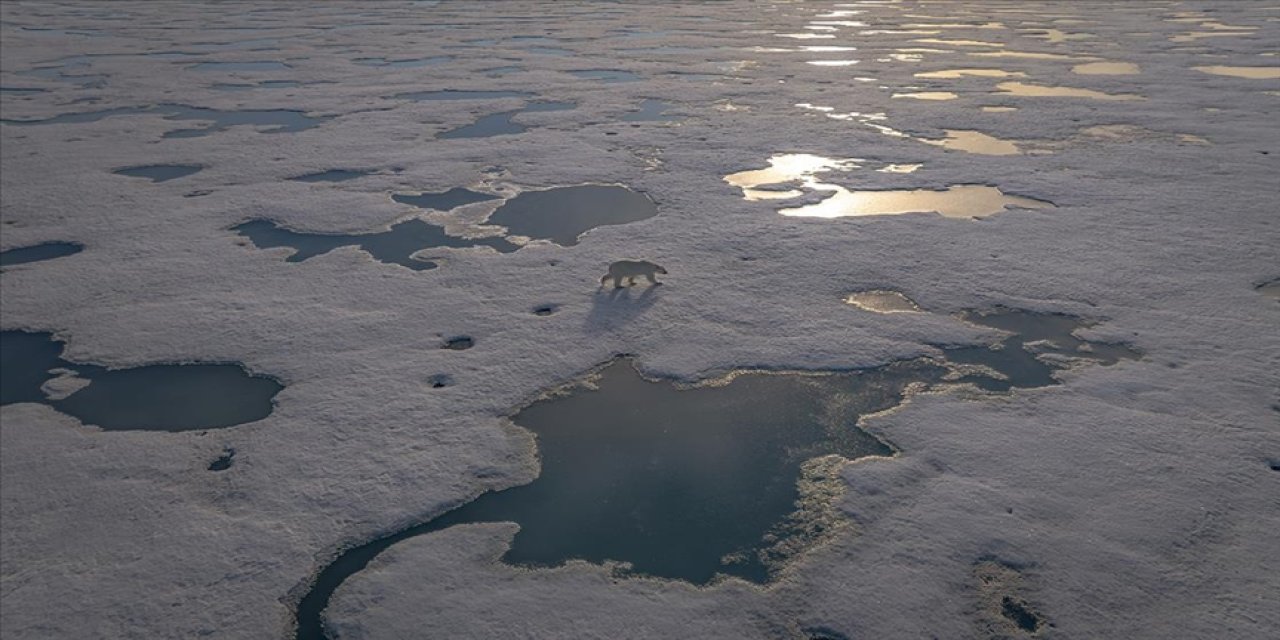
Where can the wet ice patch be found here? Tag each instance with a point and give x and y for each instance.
(257, 65)
(960, 43)
(455, 94)
(651, 111)
(1251, 73)
(499, 124)
(953, 74)
(1035, 347)
(1270, 289)
(265, 84)
(1028, 55)
(927, 95)
(1106, 69)
(60, 73)
(278, 120)
(401, 63)
(607, 76)
(332, 175)
(1024, 90)
(550, 51)
(160, 172)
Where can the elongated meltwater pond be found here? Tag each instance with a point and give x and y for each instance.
(559, 214)
(156, 397)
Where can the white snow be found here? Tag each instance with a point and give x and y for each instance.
(1142, 502)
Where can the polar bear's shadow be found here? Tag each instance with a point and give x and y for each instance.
(613, 307)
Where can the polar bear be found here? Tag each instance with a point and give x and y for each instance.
(629, 270)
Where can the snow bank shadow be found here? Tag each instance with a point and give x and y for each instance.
(1270, 289)
(1001, 610)
(733, 475)
(612, 308)
(159, 397)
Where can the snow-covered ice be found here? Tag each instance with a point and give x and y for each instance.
(1133, 500)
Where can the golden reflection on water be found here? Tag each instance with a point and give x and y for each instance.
(1029, 55)
(899, 32)
(1057, 36)
(1041, 91)
(785, 169)
(928, 95)
(1106, 69)
(839, 23)
(1130, 133)
(1252, 73)
(951, 74)
(900, 168)
(1192, 36)
(957, 201)
(805, 36)
(1270, 289)
(797, 174)
(960, 43)
(955, 25)
(957, 139)
(882, 301)
(975, 142)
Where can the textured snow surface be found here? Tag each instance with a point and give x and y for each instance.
(1136, 500)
